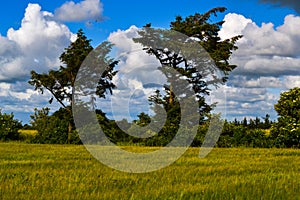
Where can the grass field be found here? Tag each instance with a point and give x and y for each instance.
(69, 172)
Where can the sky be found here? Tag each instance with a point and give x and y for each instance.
(33, 34)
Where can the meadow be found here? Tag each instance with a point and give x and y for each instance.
(33, 171)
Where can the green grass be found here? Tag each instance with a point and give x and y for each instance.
(69, 172)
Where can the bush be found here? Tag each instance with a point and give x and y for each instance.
(53, 129)
(9, 127)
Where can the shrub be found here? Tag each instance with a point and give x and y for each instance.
(9, 127)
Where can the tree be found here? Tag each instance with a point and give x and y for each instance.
(286, 131)
(144, 119)
(187, 62)
(267, 122)
(60, 83)
(9, 127)
(195, 26)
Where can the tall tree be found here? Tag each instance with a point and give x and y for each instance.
(198, 28)
(60, 83)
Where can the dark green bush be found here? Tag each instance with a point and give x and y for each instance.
(9, 127)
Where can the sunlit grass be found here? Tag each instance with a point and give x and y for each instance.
(28, 132)
(27, 135)
(30, 171)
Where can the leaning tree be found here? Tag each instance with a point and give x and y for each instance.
(193, 68)
(61, 83)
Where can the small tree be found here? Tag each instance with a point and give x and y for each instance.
(286, 131)
(9, 127)
(144, 119)
(60, 83)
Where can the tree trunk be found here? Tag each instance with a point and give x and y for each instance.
(70, 127)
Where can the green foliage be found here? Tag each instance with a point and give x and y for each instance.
(200, 27)
(286, 132)
(143, 120)
(244, 134)
(60, 83)
(9, 127)
(53, 129)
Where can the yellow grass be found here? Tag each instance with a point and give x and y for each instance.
(30, 171)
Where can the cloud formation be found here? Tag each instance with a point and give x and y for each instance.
(265, 50)
(36, 45)
(77, 12)
(268, 61)
(136, 69)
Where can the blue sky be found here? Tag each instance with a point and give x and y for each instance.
(122, 14)
(262, 73)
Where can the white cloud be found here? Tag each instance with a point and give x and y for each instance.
(265, 50)
(240, 102)
(260, 82)
(82, 11)
(135, 63)
(268, 61)
(234, 25)
(36, 45)
(138, 76)
(291, 82)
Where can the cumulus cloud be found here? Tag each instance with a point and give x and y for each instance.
(136, 70)
(21, 99)
(284, 3)
(36, 45)
(268, 61)
(240, 102)
(135, 63)
(234, 25)
(83, 11)
(265, 50)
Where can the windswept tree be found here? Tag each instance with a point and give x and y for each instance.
(191, 71)
(199, 28)
(60, 83)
